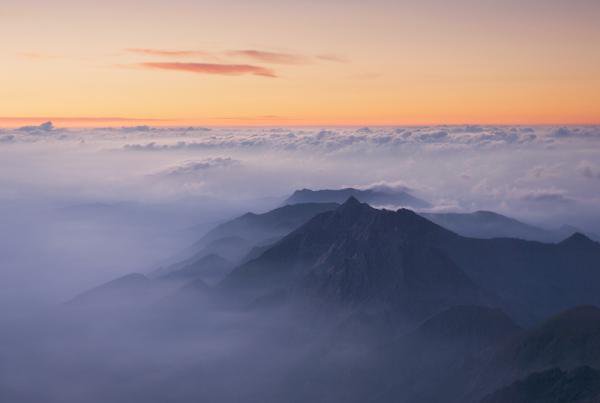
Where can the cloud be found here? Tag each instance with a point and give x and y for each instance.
(546, 196)
(168, 53)
(212, 68)
(44, 127)
(329, 57)
(270, 57)
(188, 168)
(8, 138)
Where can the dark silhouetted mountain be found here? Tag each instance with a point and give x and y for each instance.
(567, 340)
(580, 385)
(475, 326)
(381, 196)
(431, 363)
(210, 269)
(357, 255)
(486, 224)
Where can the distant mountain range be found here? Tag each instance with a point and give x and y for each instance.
(382, 196)
(487, 224)
(362, 255)
(407, 310)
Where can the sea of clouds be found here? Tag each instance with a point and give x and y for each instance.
(79, 206)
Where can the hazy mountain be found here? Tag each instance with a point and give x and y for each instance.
(567, 340)
(381, 196)
(487, 224)
(210, 269)
(131, 288)
(360, 255)
(580, 385)
(269, 225)
(233, 239)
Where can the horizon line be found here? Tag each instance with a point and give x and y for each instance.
(259, 121)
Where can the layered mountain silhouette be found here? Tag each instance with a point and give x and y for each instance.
(362, 255)
(580, 385)
(388, 306)
(381, 196)
(487, 224)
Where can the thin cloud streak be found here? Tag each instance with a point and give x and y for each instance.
(333, 58)
(270, 57)
(168, 53)
(212, 68)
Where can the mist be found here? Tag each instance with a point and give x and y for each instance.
(81, 207)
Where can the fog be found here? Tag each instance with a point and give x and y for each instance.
(80, 207)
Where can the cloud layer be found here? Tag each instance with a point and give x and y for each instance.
(212, 68)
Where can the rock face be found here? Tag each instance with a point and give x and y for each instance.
(377, 197)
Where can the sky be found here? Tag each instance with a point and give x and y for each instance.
(239, 63)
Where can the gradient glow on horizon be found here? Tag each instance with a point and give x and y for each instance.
(233, 62)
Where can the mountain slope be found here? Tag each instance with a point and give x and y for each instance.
(375, 196)
(566, 341)
(581, 385)
(487, 224)
(211, 269)
(359, 256)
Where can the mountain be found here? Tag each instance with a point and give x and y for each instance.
(381, 196)
(210, 269)
(243, 236)
(580, 385)
(273, 224)
(487, 224)
(437, 358)
(567, 340)
(359, 255)
(235, 238)
(131, 288)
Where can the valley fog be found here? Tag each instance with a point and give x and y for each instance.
(80, 208)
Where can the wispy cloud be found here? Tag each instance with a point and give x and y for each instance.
(212, 68)
(270, 57)
(329, 57)
(263, 56)
(169, 53)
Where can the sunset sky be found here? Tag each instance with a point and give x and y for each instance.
(330, 62)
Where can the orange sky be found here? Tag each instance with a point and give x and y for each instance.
(233, 62)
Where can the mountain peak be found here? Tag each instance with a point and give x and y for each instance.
(578, 239)
(352, 201)
(378, 196)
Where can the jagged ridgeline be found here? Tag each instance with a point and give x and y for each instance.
(360, 304)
